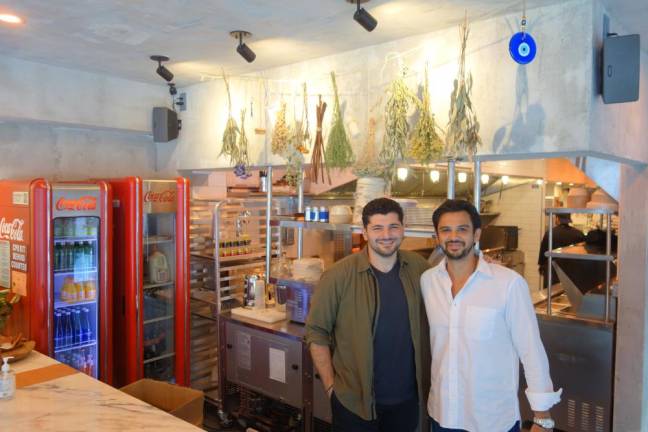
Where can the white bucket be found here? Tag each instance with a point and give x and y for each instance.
(367, 189)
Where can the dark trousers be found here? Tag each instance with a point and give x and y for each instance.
(403, 417)
(436, 427)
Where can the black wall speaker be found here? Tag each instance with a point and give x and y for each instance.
(621, 58)
(165, 124)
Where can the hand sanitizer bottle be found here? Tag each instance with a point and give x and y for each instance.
(7, 381)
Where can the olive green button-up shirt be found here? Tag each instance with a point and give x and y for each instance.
(343, 315)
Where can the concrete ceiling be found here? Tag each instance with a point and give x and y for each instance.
(117, 37)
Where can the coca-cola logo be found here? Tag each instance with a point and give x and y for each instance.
(12, 230)
(77, 204)
(160, 197)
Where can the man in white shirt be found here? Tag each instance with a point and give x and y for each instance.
(482, 324)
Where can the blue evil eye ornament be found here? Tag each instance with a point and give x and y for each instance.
(522, 48)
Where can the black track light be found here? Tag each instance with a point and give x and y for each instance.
(244, 50)
(364, 18)
(161, 70)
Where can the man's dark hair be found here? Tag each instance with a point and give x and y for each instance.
(564, 218)
(453, 206)
(381, 206)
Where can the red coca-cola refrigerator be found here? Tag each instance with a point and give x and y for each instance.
(56, 252)
(151, 258)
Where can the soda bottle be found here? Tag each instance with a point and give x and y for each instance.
(85, 323)
(69, 256)
(58, 228)
(78, 329)
(58, 254)
(88, 251)
(69, 331)
(59, 337)
(68, 227)
(78, 256)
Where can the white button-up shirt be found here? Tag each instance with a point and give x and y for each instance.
(477, 341)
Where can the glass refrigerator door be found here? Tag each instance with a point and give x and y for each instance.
(159, 296)
(76, 294)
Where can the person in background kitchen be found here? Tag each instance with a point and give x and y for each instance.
(364, 329)
(482, 324)
(563, 235)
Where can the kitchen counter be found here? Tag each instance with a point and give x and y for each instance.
(285, 328)
(74, 401)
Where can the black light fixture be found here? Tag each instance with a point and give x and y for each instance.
(244, 50)
(363, 17)
(161, 70)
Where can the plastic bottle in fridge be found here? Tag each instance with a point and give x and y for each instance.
(59, 334)
(85, 323)
(69, 331)
(78, 327)
(69, 256)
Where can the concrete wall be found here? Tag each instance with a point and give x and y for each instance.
(521, 109)
(62, 153)
(67, 124)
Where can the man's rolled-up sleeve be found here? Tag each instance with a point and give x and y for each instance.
(323, 312)
(523, 325)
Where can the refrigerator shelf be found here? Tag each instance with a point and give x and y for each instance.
(73, 270)
(203, 316)
(75, 347)
(75, 239)
(63, 304)
(154, 320)
(158, 285)
(151, 241)
(162, 357)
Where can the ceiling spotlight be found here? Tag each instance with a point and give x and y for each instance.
(401, 173)
(10, 18)
(161, 70)
(462, 177)
(435, 175)
(242, 48)
(363, 17)
(485, 178)
(505, 180)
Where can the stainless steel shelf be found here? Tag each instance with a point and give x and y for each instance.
(561, 210)
(154, 320)
(75, 347)
(149, 286)
(410, 231)
(162, 357)
(576, 256)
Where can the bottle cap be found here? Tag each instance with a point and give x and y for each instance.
(5, 366)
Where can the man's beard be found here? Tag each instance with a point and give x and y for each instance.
(384, 254)
(463, 254)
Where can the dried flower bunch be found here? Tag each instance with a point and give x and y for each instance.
(231, 131)
(281, 133)
(318, 164)
(396, 125)
(425, 144)
(339, 153)
(368, 164)
(462, 136)
(242, 158)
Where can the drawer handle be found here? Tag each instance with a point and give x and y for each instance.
(295, 367)
(229, 346)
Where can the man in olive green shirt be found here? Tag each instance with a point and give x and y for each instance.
(364, 329)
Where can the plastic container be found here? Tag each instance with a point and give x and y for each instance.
(7, 381)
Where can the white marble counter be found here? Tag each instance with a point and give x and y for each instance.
(79, 403)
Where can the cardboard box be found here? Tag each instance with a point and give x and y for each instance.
(182, 402)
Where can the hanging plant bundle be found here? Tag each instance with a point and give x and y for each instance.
(462, 136)
(425, 143)
(305, 125)
(396, 126)
(231, 131)
(294, 161)
(368, 164)
(339, 153)
(281, 133)
(318, 165)
(242, 158)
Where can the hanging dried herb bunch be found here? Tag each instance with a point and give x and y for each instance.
(368, 164)
(294, 161)
(305, 124)
(339, 153)
(231, 129)
(462, 136)
(425, 143)
(281, 133)
(242, 158)
(396, 126)
(318, 164)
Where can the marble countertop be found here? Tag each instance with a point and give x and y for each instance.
(80, 403)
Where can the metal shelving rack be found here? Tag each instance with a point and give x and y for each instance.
(567, 254)
(217, 281)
